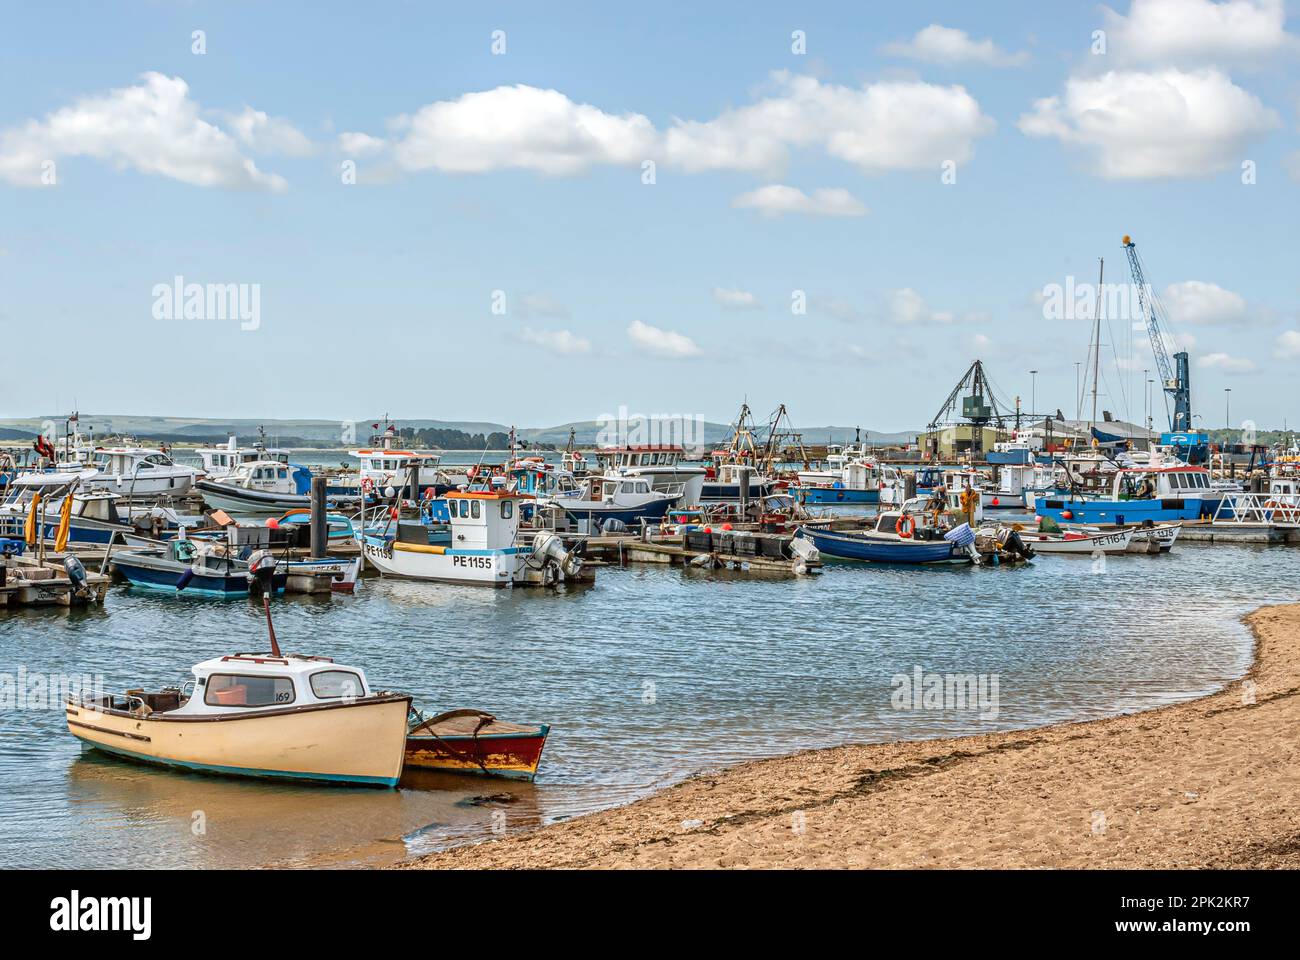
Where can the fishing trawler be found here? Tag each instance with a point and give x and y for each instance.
(850, 477)
(484, 525)
(1158, 493)
(660, 464)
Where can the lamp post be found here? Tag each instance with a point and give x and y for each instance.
(1227, 407)
(1033, 391)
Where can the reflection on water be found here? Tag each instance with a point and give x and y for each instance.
(650, 675)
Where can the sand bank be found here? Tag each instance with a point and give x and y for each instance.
(1214, 782)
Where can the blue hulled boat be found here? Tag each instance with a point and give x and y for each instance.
(878, 546)
(180, 565)
(1159, 494)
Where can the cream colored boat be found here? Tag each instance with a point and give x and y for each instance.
(256, 715)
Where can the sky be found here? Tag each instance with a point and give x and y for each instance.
(533, 214)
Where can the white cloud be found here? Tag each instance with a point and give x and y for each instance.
(1225, 363)
(662, 343)
(776, 199)
(948, 46)
(361, 144)
(907, 307)
(1197, 32)
(153, 127)
(1163, 124)
(891, 125)
(522, 127)
(735, 299)
(1288, 345)
(265, 134)
(559, 342)
(1198, 302)
(542, 304)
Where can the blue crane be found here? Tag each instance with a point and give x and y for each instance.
(1175, 376)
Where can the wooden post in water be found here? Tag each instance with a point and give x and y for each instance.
(742, 477)
(319, 528)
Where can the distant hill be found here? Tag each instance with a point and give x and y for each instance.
(333, 433)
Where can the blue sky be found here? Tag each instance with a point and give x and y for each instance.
(775, 173)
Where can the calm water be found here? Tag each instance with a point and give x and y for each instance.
(647, 677)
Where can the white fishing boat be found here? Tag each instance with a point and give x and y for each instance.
(263, 486)
(484, 526)
(1079, 542)
(137, 472)
(608, 501)
(222, 461)
(256, 715)
(661, 465)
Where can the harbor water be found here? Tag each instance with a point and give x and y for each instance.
(647, 677)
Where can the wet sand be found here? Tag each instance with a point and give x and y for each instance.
(1209, 783)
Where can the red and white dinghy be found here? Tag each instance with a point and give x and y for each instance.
(1115, 541)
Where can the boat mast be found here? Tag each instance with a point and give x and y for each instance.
(1096, 339)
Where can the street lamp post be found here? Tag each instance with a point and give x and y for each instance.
(1033, 392)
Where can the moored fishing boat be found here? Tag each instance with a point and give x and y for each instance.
(471, 741)
(1159, 494)
(483, 551)
(191, 567)
(256, 715)
(263, 486)
(1070, 541)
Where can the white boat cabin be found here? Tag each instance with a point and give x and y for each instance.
(1159, 483)
(391, 469)
(483, 519)
(253, 681)
(222, 461)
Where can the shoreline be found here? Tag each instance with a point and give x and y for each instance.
(1209, 782)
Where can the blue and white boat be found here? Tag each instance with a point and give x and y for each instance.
(849, 477)
(263, 486)
(613, 496)
(95, 516)
(893, 540)
(1157, 493)
(186, 566)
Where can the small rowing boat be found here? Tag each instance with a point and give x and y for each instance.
(471, 741)
(1071, 541)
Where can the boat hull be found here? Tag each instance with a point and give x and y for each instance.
(834, 495)
(1087, 545)
(839, 546)
(514, 756)
(158, 574)
(360, 743)
(598, 512)
(488, 568)
(1122, 512)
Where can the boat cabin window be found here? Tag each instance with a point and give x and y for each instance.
(330, 684)
(476, 509)
(507, 509)
(283, 473)
(157, 460)
(236, 690)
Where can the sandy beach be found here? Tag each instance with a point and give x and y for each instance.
(1213, 782)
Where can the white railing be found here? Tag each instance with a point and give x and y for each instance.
(1272, 509)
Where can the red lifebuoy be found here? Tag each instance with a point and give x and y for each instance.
(905, 526)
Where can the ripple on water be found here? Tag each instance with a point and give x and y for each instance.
(649, 676)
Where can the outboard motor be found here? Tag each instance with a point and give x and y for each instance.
(613, 525)
(76, 571)
(261, 571)
(548, 549)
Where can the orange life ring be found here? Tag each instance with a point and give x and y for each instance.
(428, 493)
(907, 521)
(367, 485)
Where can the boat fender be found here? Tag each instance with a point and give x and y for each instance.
(186, 576)
(905, 526)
